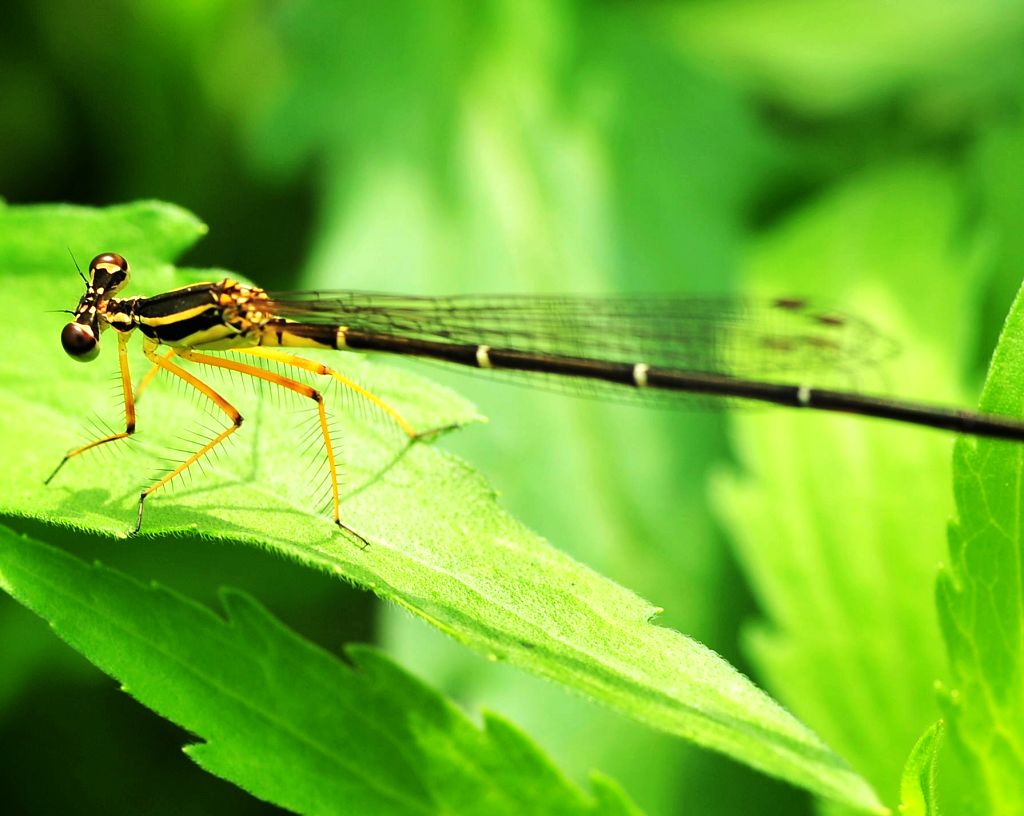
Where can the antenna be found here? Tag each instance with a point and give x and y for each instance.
(75, 261)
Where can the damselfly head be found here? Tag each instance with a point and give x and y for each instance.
(108, 273)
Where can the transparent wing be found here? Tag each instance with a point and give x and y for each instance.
(741, 337)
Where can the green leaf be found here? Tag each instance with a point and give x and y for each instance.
(440, 545)
(518, 155)
(839, 521)
(917, 789)
(980, 598)
(280, 717)
(828, 57)
(548, 150)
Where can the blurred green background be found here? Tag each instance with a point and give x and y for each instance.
(500, 146)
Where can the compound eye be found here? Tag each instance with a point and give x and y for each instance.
(108, 273)
(80, 342)
(110, 262)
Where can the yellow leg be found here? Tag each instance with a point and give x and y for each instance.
(164, 362)
(296, 361)
(299, 388)
(129, 409)
(150, 375)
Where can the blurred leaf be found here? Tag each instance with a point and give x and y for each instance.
(998, 155)
(839, 521)
(828, 56)
(396, 68)
(281, 718)
(34, 236)
(528, 146)
(980, 598)
(917, 789)
(441, 546)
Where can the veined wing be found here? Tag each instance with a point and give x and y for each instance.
(741, 337)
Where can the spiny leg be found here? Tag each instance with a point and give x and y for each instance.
(150, 375)
(303, 390)
(286, 358)
(296, 361)
(236, 421)
(129, 410)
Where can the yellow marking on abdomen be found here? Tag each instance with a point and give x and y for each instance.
(276, 334)
(215, 338)
(640, 374)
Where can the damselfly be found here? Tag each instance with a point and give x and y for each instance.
(646, 346)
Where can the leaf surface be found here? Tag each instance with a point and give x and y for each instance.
(280, 717)
(918, 795)
(839, 521)
(440, 545)
(981, 598)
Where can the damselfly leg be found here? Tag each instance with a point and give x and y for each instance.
(129, 412)
(191, 321)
